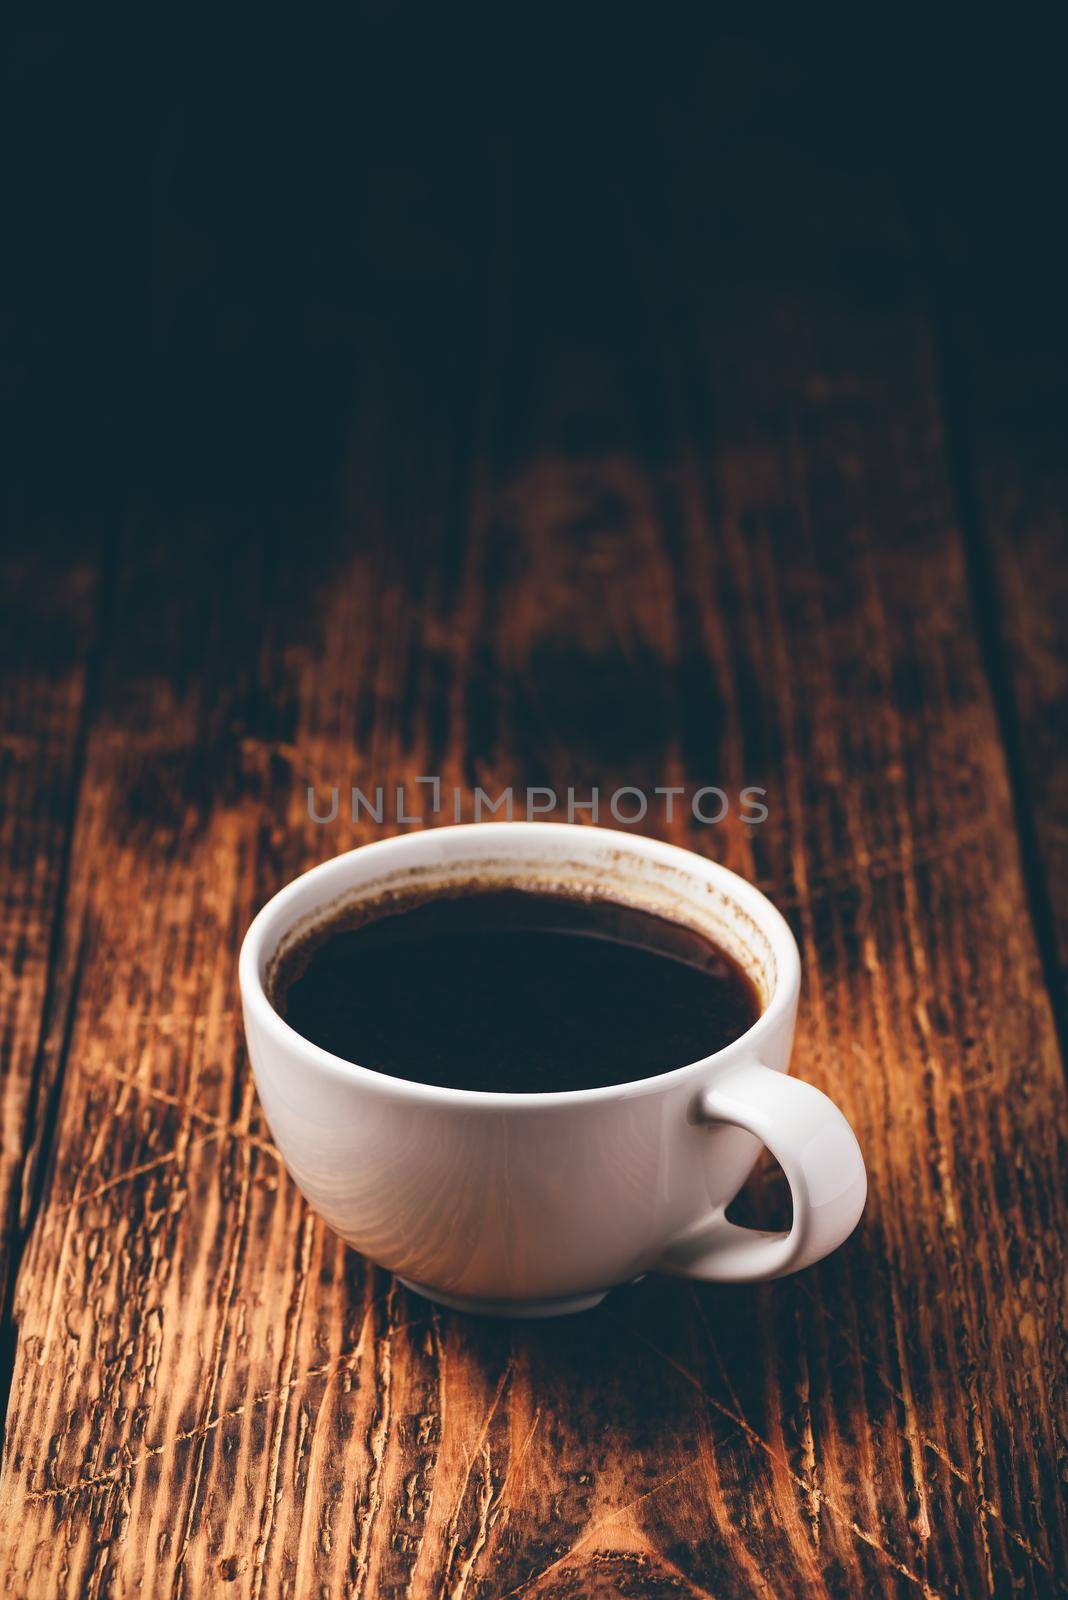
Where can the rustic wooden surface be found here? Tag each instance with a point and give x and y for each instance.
(679, 535)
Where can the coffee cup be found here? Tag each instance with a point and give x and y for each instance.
(538, 1204)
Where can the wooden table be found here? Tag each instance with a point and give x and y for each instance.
(625, 518)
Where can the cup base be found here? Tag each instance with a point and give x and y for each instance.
(566, 1306)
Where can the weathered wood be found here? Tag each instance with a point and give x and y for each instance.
(1027, 507)
(48, 617)
(736, 563)
(1008, 401)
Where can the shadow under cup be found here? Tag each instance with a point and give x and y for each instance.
(520, 1203)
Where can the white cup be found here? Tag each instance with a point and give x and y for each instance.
(538, 1204)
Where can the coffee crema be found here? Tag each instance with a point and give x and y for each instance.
(513, 990)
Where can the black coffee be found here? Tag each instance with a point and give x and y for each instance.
(513, 990)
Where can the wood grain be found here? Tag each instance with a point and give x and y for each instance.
(1027, 505)
(48, 621)
(726, 560)
(1010, 403)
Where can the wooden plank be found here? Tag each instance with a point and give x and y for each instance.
(736, 565)
(1008, 403)
(1026, 507)
(48, 619)
(997, 275)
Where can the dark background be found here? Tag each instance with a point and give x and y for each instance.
(208, 232)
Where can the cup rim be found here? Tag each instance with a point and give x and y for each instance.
(753, 901)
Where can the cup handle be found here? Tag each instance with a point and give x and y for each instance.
(818, 1151)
